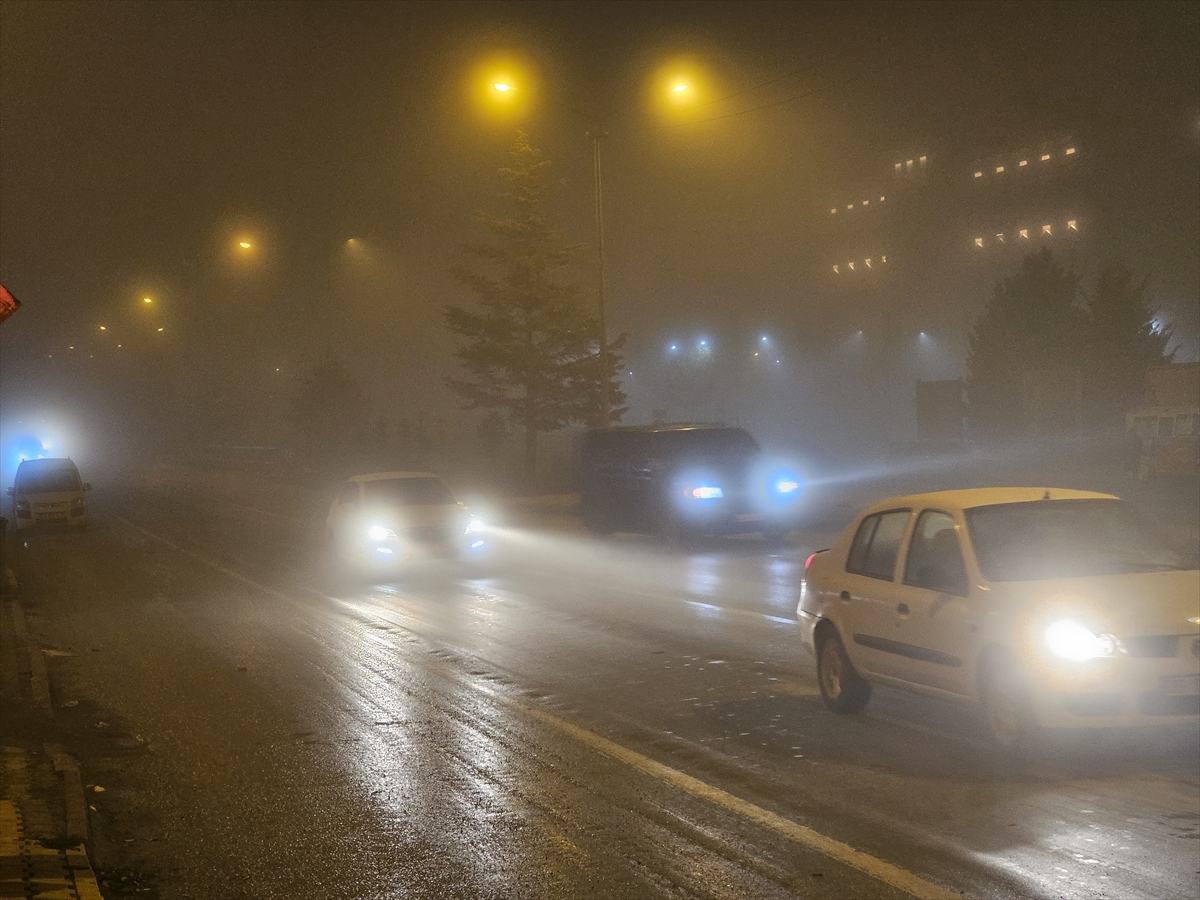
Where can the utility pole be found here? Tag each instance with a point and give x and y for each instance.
(605, 403)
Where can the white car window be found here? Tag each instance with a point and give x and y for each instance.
(877, 544)
(935, 558)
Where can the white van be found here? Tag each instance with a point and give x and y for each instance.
(48, 491)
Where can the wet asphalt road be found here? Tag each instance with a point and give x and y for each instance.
(594, 718)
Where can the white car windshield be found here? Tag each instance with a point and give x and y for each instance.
(423, 491)
(1067, 539)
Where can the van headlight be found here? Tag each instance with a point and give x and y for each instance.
(474, 526)
(380, 533)
(1070, 640)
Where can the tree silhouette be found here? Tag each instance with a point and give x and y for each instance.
(529, 349)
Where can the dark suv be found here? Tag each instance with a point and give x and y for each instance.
(676, 479)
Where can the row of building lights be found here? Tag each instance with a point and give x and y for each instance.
(863, 205)
(853, 265)
(1023, 234)
(910, 165)
(1022, 164)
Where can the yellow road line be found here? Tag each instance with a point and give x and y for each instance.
(801, 834)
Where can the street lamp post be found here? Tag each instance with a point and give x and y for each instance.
(605, 401)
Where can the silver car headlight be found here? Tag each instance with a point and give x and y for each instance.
(1070, 640)
(474, 526)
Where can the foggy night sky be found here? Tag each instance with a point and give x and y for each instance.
(136, 141)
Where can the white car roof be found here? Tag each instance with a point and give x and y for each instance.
(972, 497)
(391, 476)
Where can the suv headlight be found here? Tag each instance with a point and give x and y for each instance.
(474, 526)
(1070, 640)
(380, 533)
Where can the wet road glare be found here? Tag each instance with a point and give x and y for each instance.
(588, 718)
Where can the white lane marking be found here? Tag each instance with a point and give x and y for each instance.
(224, 570)
(801, 834)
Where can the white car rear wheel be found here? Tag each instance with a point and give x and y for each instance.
(842, 688)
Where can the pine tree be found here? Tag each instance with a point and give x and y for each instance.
(1024, 372)
(529, 349)
(1123, 344)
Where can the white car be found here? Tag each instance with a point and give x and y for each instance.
(48, 492)
(387, 519)
(1045, 607)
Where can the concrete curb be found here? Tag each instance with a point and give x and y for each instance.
(39, 679)
(27, 868)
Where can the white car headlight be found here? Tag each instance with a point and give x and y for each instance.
(1072, 641)
(380, 533)
(706, 492)
(475, 526)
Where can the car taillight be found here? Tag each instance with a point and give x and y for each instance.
(808, 562)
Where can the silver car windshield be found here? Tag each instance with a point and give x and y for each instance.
(1067, 539)
(425, 491)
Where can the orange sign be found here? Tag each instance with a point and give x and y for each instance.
(8, 303)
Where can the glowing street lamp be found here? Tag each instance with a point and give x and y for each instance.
(502, 86)
(245, 245)
(147, 299)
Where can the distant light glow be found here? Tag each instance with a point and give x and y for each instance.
(881, 198)
(850, 266)
(833, 212)
(147, 299)
(978, 174)
(1046, 229)
(245, 245)
(160, 329)
(978, 242)
(679, 89)
(868, 262)
(706, 492)
(1070, 151)
(502, 86)
(787, 486)
(1023, 163)
(836, 271)
(999, 169)
(1073, 224)
(1024, 232)
(103, 328)
(1045, 156)
(764, 339)
(1000, 237)
(866, 203)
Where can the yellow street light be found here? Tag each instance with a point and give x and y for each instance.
(147, 299)
(502, 86)
(245, 245)
(679, 89)
(102, 328)
(160, 329)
